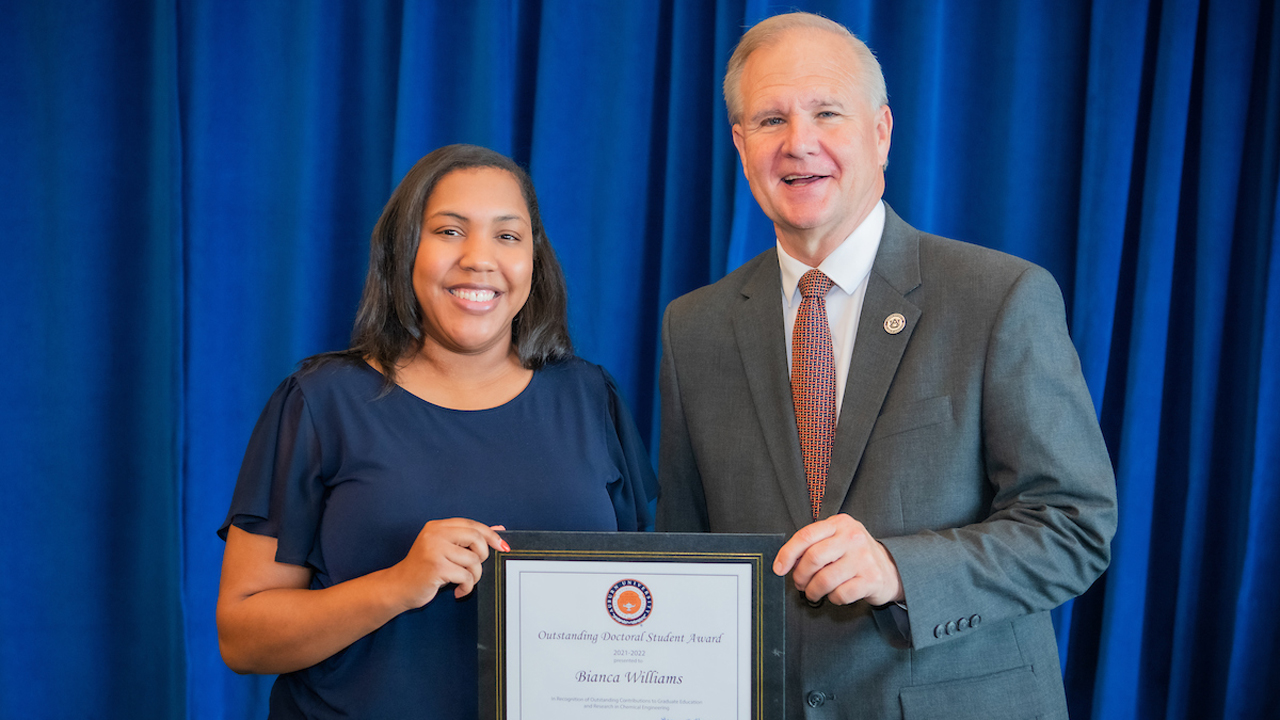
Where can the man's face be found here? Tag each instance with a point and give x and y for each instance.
(812, 148)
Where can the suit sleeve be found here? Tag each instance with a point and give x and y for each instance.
(682, 506)
(1053, 507)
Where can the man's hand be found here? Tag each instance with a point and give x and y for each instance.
(839, 559)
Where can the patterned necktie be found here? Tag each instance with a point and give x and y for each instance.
(813, 383)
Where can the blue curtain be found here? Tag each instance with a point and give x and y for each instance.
(187, 188)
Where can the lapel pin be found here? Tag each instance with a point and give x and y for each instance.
(895, 323)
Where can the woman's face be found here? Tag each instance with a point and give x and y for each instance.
(475, 261)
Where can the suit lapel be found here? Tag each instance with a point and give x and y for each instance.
(876, 353)
(758, 329)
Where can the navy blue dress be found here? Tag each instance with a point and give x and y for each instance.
(345, 480)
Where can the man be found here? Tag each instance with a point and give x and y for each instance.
(913, 418)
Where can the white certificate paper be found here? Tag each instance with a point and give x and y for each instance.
(660, 640)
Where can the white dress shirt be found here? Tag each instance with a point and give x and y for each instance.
(848, 266)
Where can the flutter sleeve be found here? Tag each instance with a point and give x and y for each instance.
(636, 489)
(280, 491)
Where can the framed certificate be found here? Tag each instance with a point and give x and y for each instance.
(581, 626)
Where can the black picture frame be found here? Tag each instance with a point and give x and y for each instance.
(768, 622)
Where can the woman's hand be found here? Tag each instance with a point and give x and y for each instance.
(270, 621)
(445, 551)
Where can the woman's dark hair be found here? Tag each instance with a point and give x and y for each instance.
(388, 324)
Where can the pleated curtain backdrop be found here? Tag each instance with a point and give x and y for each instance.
(187, 189)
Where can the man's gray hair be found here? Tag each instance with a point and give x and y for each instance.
(767, 31)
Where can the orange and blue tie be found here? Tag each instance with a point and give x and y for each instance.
(813, 383)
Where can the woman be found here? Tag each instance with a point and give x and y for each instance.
(379, 476)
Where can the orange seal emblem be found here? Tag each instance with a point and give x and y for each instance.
(629, 602)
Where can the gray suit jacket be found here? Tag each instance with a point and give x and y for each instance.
(967, 443)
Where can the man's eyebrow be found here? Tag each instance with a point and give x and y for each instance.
(814, 104)
(823, 103)
(764, 113)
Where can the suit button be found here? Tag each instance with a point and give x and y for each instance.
(951, 627)
(937, 631)
(974, 620)
(963, 624)
(816, 699)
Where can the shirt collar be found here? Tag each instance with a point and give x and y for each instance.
(847, 266)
